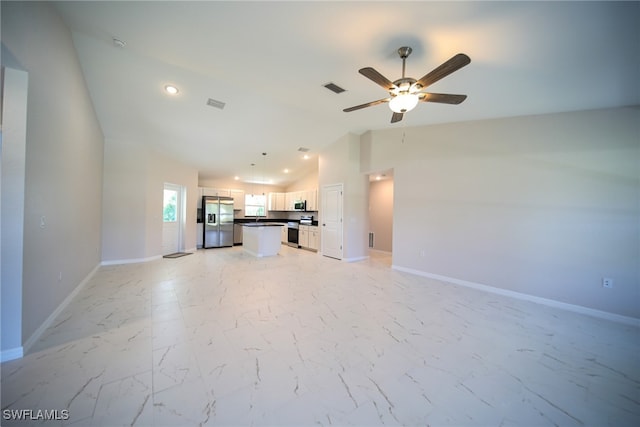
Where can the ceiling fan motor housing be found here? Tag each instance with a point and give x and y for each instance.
(404, 51)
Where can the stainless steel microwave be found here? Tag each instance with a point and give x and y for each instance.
(300, 205)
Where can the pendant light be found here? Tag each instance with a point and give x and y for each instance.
(264, 159)
(253, 180)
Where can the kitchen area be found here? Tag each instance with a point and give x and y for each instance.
(224, 219)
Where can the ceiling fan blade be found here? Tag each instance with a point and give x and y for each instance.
(442, 98)
(368, 104)
(377, 78)
(396, 117)
(448, 67)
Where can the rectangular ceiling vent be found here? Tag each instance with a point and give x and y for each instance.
(214, 103)
(334, 88)
(303, 149)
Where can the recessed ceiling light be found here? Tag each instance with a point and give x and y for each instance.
(170, 89)
(306, 157)
(286, 171)
(236, 177)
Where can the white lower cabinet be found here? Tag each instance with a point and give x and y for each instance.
(314, 238)
(303, 236)
(308, 237)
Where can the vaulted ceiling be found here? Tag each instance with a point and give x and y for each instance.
(268, 61)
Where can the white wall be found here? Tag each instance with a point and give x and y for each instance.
(307, 182)
(340, 164)
(13, 138)
(64, 152)
(541, 205)
(134, 177)
(165, 169)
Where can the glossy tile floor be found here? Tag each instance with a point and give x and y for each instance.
(223, 338)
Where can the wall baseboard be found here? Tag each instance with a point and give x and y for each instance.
(130, 261)
(355, 259)
(11, 354)
(49, 320)
(526, 297)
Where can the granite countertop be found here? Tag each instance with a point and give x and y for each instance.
(272, 221)
(263, 224)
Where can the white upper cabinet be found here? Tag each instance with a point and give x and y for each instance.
(311, 196)
(285, 201)
(276, 202)
(238, 199)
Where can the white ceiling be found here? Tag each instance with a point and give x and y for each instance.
(268, 61)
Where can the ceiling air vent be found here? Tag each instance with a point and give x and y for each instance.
(334, 88)
(303, 149)
(214, 103)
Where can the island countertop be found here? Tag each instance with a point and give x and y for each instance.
(263, 224)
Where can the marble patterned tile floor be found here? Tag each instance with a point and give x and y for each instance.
(223, 338)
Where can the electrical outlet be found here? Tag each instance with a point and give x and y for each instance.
(607, 282)
(422, 253)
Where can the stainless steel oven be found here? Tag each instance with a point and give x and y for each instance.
(292, 234)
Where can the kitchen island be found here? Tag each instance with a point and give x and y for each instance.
(261, 239)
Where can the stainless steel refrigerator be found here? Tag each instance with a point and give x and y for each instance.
(218, 221)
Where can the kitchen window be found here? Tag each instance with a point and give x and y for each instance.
(255, 205)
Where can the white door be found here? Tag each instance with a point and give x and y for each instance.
(172, 219)
(332, 221)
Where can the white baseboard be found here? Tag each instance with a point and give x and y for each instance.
(11, 354)
(526, 297)
(131, 261)
(356, 259)
(43, 327)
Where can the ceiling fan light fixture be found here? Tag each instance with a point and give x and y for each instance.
(403, 103)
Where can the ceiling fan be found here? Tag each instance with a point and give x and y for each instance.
(405, 93)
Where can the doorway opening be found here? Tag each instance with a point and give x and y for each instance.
(381, 213)
(173, 218)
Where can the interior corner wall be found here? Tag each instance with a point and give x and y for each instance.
(542, 205)
(340, 164)
(124, 201)
(63, 158)
(13, 138)
(134, 178)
